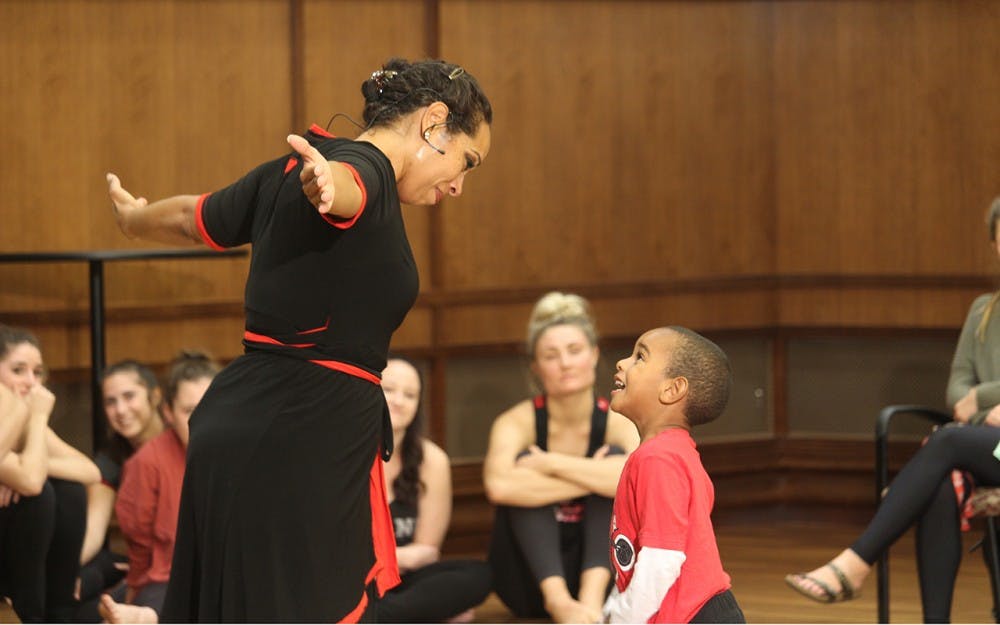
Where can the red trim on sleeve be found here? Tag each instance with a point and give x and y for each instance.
(290, 165)
(319, 130)
(344, 225)
(200, 222)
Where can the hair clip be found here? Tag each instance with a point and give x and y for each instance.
(455, 73)
(382, 76)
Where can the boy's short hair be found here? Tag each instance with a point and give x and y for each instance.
(708, 372)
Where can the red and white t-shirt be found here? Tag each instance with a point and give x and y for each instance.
(662, 520)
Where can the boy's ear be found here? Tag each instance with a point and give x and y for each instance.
(673, 390)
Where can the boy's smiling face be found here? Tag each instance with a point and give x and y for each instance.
(640, 378)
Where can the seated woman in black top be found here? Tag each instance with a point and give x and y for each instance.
(418, 483)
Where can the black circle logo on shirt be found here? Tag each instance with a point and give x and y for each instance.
(624, 552)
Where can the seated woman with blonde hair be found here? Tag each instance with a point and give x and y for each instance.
(552, 468)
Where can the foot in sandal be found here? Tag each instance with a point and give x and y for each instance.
(838, 580)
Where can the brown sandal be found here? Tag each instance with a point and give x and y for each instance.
(846, 592)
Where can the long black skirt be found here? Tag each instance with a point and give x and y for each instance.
(276, 512)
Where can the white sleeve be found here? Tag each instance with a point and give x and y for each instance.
(655, 572)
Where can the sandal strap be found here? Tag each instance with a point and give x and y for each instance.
(846, 588)
(828, 595)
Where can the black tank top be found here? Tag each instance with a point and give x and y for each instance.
(404, 521)
(572, 511)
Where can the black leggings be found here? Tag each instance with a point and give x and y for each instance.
(435, 593)
(40, 542)
(529, 545)
(922, 493)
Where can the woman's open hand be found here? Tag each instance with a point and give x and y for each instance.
(316, 177)
(123, 203)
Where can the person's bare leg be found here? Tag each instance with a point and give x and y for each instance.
(561, 605)
(854, 568)
(113, 612)
(594, 587)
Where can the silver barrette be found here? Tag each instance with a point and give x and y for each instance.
(382, 76)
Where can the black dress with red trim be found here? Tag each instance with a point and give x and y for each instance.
(283, 514)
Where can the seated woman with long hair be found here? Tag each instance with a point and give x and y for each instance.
(923, 492)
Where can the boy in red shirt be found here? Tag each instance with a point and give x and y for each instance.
(667, 566)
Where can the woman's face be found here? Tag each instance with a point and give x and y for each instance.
(178, 412)
(565, 360)
(433, 174)
(401, 385)
(22, 368)
(129, 405)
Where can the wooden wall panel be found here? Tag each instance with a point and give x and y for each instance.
(885, 157)
(631, 142)
(344, 42)
(725, 165)
(879, 306)
(491, 322)
(158, 92)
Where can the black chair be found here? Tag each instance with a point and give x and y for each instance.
(985, 503)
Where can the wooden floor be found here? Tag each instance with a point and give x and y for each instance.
(760, 546)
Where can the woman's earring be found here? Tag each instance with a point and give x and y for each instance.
(427, 140)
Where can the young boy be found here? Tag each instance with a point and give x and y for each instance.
(662, 543)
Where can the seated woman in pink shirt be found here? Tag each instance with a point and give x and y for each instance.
(150, 493)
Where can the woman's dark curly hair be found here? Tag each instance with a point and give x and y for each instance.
(402, 87)
(407, 485)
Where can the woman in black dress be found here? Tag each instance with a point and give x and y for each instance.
(283, 514)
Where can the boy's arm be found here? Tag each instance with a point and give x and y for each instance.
(656, 570)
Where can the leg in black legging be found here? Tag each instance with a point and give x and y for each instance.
(596, 579)
(966, 448)
(596, 521)
(63, 562)
(913, 494)
(939, 553)
(436, 592)
(513, 579)
(537, 533)
(27, 532)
